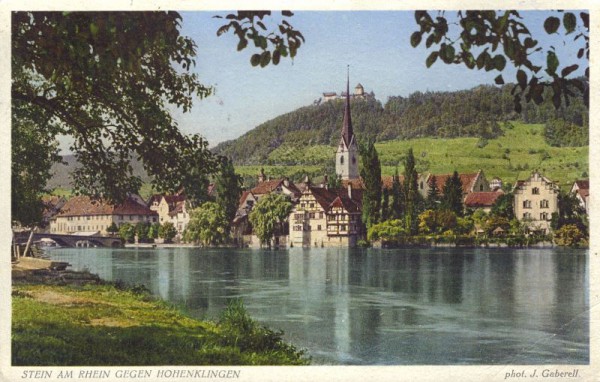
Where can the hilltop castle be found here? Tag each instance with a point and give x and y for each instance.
(359, 93)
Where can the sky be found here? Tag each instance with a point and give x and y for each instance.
(376, 45)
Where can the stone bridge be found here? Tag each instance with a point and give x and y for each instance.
(73, 240)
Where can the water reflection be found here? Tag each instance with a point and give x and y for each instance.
(412, 306)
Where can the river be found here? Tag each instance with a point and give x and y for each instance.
(439, 306)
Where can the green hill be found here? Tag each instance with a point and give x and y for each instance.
(519, 149)
(478, 112)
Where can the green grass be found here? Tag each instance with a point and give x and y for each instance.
(527, 151)
(103, 325)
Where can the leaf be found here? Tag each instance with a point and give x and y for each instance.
(255, 59)
(265, 58)
(431, 59)
(499, 80)
(585, 17)
(481, 60)
(276, 57)
(499, 62)
(551, 24)
(415, 39)
(580, 53)
(287, 13)
(429, 40)
(242, 44)
(447, 53)
(551, 63)
(569, 69)
(570, 22)
(522, 79)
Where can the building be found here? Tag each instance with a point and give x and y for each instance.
(241, 229)
(359, 93)
(536, 199)
(581, 189)
(482, 200)
(471, 182)
(171, 209)
(495, 184)
(326, 218)
(52, 205)
(346, 156)
(83, 214)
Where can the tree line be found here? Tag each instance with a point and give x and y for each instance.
(401, 215)
(478, 112)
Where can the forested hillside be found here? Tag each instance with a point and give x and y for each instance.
(477, 112)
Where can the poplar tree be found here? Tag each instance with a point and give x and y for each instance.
(228, 187)
(433, 194)
(371, 175)
(397, 198)
(385, 205)
(453, 194)
(412, 198)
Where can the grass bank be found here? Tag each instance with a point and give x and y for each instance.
(102, 325)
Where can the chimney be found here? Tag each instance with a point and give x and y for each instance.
(261, 175)
(286, 182)
(350, 190)
(325, 179)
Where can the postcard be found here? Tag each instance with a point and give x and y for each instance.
(298, 191)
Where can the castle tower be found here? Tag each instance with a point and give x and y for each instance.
(346, 157)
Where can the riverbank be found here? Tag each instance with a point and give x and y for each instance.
(76, 319)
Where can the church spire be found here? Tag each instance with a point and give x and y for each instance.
(347, 133)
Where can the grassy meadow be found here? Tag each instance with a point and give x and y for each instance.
(511, 156)
(102, 325)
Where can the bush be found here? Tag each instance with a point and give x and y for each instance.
(569, 235)
(241, 331)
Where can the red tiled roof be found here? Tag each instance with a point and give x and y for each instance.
(85, 206)
(355, 183)
(467, 180)
(481, 199)
(388, 181)
(270, 185)
(266, 186)
(328, 198)
(583, 184)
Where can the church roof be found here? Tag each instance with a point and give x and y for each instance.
(347, 132)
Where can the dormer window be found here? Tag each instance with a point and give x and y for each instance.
(535, 191)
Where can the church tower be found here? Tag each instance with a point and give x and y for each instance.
(346, 157)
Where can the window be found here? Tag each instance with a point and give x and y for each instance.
(320, 215)
(302, 205)
(319, 227)
(353, 160)
(481, 187)
(343, 227)
(312, 215)
(544, 216)
(526, 215)
(535, 191)
(526, 203)
(544, 204)
(342, 159)
(312, 205)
